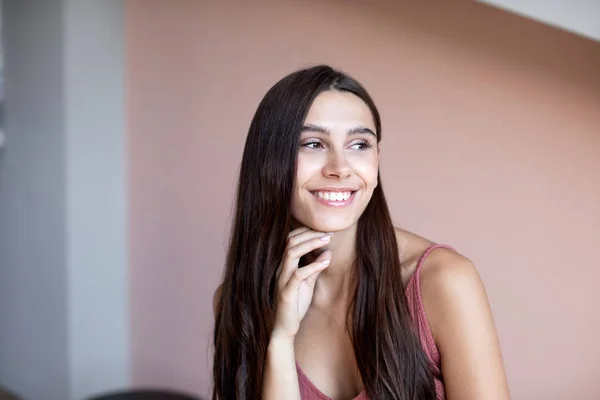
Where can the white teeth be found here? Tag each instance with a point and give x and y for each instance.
(334, 196)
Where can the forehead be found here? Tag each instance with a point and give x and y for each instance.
(339, 110)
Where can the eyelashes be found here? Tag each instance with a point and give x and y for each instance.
(364, 145)
(359, 145)
(312, 144)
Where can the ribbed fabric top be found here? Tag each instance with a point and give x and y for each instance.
(308, 391)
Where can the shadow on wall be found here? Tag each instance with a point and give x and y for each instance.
(486, 32)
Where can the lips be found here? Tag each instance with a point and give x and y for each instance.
(338, 197)
(333, 196)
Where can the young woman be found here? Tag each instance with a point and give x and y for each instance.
(322, 297)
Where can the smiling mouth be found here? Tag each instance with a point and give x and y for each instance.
(335, 199)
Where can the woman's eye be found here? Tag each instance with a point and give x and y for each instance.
(358, 145)
(362, 145)
(313, 145)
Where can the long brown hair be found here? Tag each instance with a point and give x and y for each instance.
(391, 361)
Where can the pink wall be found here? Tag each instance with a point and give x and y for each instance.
(491, 144)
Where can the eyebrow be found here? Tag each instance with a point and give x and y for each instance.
(354, 131)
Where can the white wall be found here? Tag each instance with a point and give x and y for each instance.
(96, 196)
(578, 16)
(64, 330)
(33, 274)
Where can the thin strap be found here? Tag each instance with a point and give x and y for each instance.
(417, 310)
(422, 259)
(415, 278)
(306, 384)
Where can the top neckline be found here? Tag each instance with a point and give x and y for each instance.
(411, 282)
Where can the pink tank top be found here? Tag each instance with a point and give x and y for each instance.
(308, 391)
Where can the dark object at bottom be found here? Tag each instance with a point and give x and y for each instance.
(6, 395)
(144, 395)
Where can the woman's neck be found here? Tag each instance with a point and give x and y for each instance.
(335, 282)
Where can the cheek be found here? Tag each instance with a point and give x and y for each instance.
(367, 169)
(305, 171)
(307, 167)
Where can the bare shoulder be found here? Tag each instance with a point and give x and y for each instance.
(442, 267)
(410, 248)
(445, 268)
(452, 290)
(462, 325)
(410, 245)
(450, 284)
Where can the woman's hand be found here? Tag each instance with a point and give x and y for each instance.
(295, 286)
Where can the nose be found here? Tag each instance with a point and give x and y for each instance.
(337, 166)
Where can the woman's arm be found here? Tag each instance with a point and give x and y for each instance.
(295, 288)
(461, 321)
(280, 380)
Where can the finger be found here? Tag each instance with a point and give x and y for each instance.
(311, 280)
(304, 273)
(326, 255)
(297, 231)
(292, 234)
(290, 268)
(296, 237)
(304, 236)
(323, 258)
(293, 254)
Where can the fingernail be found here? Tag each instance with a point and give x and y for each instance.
(326, 238)
(325, 262)
(330, 233)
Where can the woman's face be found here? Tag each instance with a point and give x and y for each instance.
(338, 162)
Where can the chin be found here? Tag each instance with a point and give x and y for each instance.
(330, 225)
